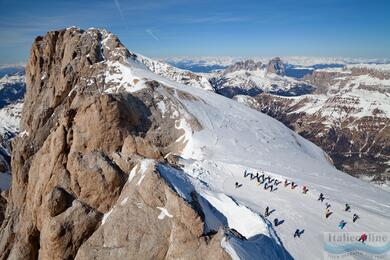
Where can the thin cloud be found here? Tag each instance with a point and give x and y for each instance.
(119, 9)
(151, 33)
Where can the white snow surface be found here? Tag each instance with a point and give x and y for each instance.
(10, 118)
(176, 74)
(259, 78)
(164, 213)
(235, 139)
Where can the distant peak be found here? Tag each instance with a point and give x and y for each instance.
(276, 66)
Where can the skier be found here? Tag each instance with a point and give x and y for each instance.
(293, 185)
(321, 197)
(342, 224)
(238, 185)
(286, 183)
(327, 205)
(347, 207)
(267, 213)
(363, 238)
(277, 222)
(260, 178)
(298, 233)
(305, 189)
(246, 173)
(355, 217)
(254, 176)
(267, 186)
(328, 213)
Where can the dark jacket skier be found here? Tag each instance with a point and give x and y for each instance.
(355, 217)
(298, 233)
(266, 212)
(321, 197)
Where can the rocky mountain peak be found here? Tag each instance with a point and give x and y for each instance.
(83, 135)
(276, 66)
(248, 65)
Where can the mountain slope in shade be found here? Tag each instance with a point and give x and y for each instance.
(12, 88)
(125, 163)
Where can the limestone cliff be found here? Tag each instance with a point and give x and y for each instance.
(71, 166)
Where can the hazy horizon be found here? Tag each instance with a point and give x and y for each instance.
(326, 28)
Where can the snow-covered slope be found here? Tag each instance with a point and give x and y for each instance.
(183, 76)
(252, 78)
(233, 139)
(12, 88)
(344, 109)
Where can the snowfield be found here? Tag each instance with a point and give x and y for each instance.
(235, 139)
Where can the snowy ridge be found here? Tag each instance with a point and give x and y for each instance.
(252, 78)
(259, 78)
(179, 75)
(235, 139)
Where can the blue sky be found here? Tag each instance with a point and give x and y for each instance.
(343, 28)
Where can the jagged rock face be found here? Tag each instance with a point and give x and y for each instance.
(149, 222)
(249, 65)
(80, 143)
(276, 66)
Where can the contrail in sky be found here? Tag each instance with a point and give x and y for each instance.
(119, 9)
(151, 33)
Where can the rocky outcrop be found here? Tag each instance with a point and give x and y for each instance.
(276, 66)
(150, 221)
(71, 164)
(248, 65)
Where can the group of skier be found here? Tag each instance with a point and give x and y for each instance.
(342, 223)
(271, 184)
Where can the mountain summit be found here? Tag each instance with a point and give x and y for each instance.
(120, 160)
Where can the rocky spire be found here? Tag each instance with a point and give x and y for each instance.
(276, 66)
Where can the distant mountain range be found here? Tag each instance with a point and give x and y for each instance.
(342, 105)
(119, 156)
(12, 90)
